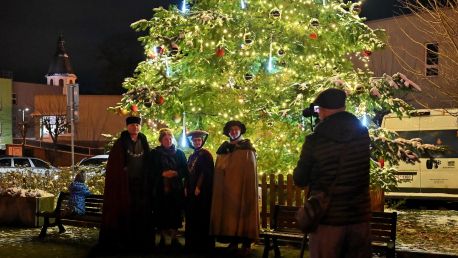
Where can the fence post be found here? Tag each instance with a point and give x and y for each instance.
(289, 190)
(281, 190)
(264, 200)
(272, 196)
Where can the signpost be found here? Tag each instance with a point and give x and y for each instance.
(72, 115)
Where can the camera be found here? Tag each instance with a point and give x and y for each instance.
(311, 111)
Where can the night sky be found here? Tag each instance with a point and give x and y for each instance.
(102, 47)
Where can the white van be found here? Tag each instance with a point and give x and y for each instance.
(437, 174)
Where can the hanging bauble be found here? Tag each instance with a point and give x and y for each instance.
(275, 13)
(282, 63)
(359, 89)
(159, 100)
(160, 50)
(313, 36)
(245, 46)
(314, 23)
(134, 108)
(248, 77)
(174, 49)
(367, 53)
(147, 103)
(247, 38)
(177, 118)
(281, 52)
(124, 111)
(220, 52)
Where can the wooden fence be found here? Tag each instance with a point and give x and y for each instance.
(278, 189)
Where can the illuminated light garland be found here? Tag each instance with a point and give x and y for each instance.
(184, 7)
(183, 141)
(243, 4)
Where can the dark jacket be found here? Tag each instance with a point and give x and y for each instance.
(339, 134)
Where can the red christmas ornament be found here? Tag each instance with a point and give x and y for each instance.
(220, 52)
(313, 36)
(134, 108)
(381, 162)
(160, 50)
(159, 100)
(367, 53)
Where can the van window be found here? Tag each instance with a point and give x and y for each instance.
(445, 138)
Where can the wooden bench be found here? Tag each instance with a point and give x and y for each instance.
(92, 217)
(383, 231)
(284, 227)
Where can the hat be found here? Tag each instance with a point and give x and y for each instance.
(228, 125)
(133, 120)
(197, 134)
(331, 99)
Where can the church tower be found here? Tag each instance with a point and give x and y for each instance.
(60, 72)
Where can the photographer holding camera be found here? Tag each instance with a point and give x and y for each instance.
(335, 162)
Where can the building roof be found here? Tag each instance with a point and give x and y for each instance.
(61, 62)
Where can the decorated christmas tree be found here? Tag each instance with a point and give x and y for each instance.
(261, 62)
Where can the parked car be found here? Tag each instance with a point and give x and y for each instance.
(22, 164)
(92, 163)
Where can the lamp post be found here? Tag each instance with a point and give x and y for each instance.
(23, 113)
(23, 127)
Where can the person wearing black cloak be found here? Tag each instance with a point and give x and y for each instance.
(126, 217)
(198, 189)
(170, 172)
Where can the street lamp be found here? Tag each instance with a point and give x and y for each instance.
(23, 128)
(23, 113)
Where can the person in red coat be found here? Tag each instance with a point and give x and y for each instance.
(127, 212)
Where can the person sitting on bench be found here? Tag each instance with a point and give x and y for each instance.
(78, 191)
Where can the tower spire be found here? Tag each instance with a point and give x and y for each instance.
(60, 72)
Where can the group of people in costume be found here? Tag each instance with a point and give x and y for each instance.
(149, 190)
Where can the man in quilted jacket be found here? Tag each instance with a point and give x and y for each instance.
(338, 150)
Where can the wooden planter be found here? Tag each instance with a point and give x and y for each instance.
(21, 211)
(377, 199)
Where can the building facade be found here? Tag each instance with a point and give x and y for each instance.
(424, 47)
(6, 123)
